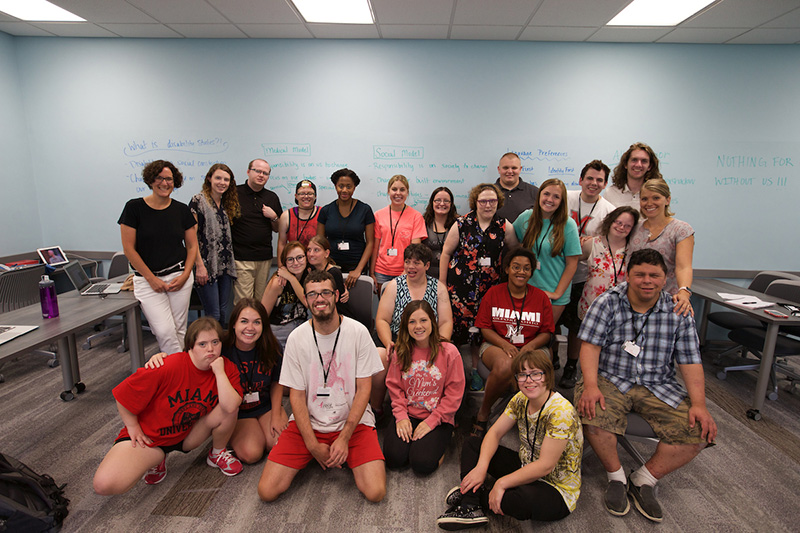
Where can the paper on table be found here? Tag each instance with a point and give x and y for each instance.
(751, 302)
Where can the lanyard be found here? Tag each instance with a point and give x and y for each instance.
(333, 351)
(614, 265)
(303, 228)
(646, 318)
(541, 241)
(398, 222)
(521, 307)
(536, 429)
(588, 217)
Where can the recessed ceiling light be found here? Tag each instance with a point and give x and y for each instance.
(658, 12)
(37, 10)
(335, 11)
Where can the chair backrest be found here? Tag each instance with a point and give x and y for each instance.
(763, 279)
(361, 301)
(20, 287)
(785, 290)
(119, 265)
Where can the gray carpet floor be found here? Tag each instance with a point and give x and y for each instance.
(746, 483)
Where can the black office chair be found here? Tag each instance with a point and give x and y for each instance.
(752, 340)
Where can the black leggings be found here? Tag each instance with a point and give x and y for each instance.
(534, 501)
(423, 454)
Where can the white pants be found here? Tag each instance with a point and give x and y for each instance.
(166, 312)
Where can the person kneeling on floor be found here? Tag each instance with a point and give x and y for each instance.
(632, 340)
(196, 393)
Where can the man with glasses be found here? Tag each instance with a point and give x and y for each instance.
(519, 195)
(588, 209)
(328, 367)
(252, 232)
(632, 341)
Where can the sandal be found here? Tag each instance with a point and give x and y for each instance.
(478, 428)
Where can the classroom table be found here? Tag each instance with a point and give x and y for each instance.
(708, 290)
(76, 312)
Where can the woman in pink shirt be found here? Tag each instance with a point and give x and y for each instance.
(426, 385)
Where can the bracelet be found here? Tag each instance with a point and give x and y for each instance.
(687, 289)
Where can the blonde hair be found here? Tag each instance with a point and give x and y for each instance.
(397, 177)
(659, 186)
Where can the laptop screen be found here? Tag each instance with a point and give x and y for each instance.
(77, 275)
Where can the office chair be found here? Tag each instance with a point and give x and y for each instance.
(361, 304)
(752, 340)
(20, 288)
(119, 266)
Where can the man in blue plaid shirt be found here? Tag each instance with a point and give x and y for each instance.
(632, 340)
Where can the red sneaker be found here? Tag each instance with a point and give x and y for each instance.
(225, 461)
(156, 474)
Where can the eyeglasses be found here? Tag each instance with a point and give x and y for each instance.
(441, 202)
(260, 172)
(516, 268)
(313, 295)
(536, 377)
(298, 259)
(487, 203)
(305, 194)
(159, 179)
(620, 224)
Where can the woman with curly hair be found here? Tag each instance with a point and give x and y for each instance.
(213, 209)
(159, 239)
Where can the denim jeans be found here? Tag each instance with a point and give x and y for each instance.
(216, 298)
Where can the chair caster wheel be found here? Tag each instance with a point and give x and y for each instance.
(772, 396)
(722, 375)
(86, 346)
(67, 396)
(52, 363)
(753, 414)
(80, 387)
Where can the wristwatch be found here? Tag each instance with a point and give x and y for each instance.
(687, 289)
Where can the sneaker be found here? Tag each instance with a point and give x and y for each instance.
(616, 499)
(644, 499)
(476, 381)
(462, 518)
(569, 377)
(225, 461)
(454, 497)
(156, 475)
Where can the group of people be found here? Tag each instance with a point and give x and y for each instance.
(500, 279)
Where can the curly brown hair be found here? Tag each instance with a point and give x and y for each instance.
(151, 171)
(230, 198)
(478, 189)
(620, 178)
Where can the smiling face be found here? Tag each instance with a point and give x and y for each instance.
(305, 197)
(345, 187)
(247, 328)
(398, 194)
(441, 203)
(638, 164)
(487, 204)
(316, 255)
(419, 327)
(622, 226)
(549, 200)
(164, 183)
(415, 269)
(592, 184)
(533, 389)
(322, 307)
(509, 169)
(653, 204)
(296, 261)
(519, 271)
(645, 283)
(206, 349)
(220, 181)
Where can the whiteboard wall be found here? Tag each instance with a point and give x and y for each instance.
(721, 118)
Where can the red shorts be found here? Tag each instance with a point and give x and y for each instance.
(291, 451)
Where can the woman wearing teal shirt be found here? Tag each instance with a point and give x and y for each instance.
(552, 235)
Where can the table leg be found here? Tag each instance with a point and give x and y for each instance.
(764, 370)
(703, 324)
(133, 319)
(76, 371)
(65, 359)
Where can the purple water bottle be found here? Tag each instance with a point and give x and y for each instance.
(47, 294)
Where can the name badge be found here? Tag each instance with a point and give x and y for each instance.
(538, 265)
(343, 246)
(323, 392)
(517, 339)
(391, 252)
(485, 261)
(250, 397)
(632, 348)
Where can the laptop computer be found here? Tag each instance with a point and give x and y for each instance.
(12, 332)
(81, 281)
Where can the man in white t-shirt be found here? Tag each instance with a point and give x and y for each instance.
(588, 209)
(328, 366)
(637, 165)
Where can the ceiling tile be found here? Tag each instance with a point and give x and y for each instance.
(741, 13)
(414, 31)
(549, 33)
(343, 31)
(577, 12)
(768, 36)
(491, 33)
(23, 29)
(8, 18)
(99, 11)
(180, 11)
(701, 35)
(74, 29)
(275, 31)
(412, 11)
(138, 31)
(260, 12)
(494, 12)
(628, 35)
(208, 31)
(789, 20)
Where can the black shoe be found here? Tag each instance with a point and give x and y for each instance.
(616, 499)
(569, 377)
(454, 497)
(556, 362)
(644, 499)
(462, 518)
